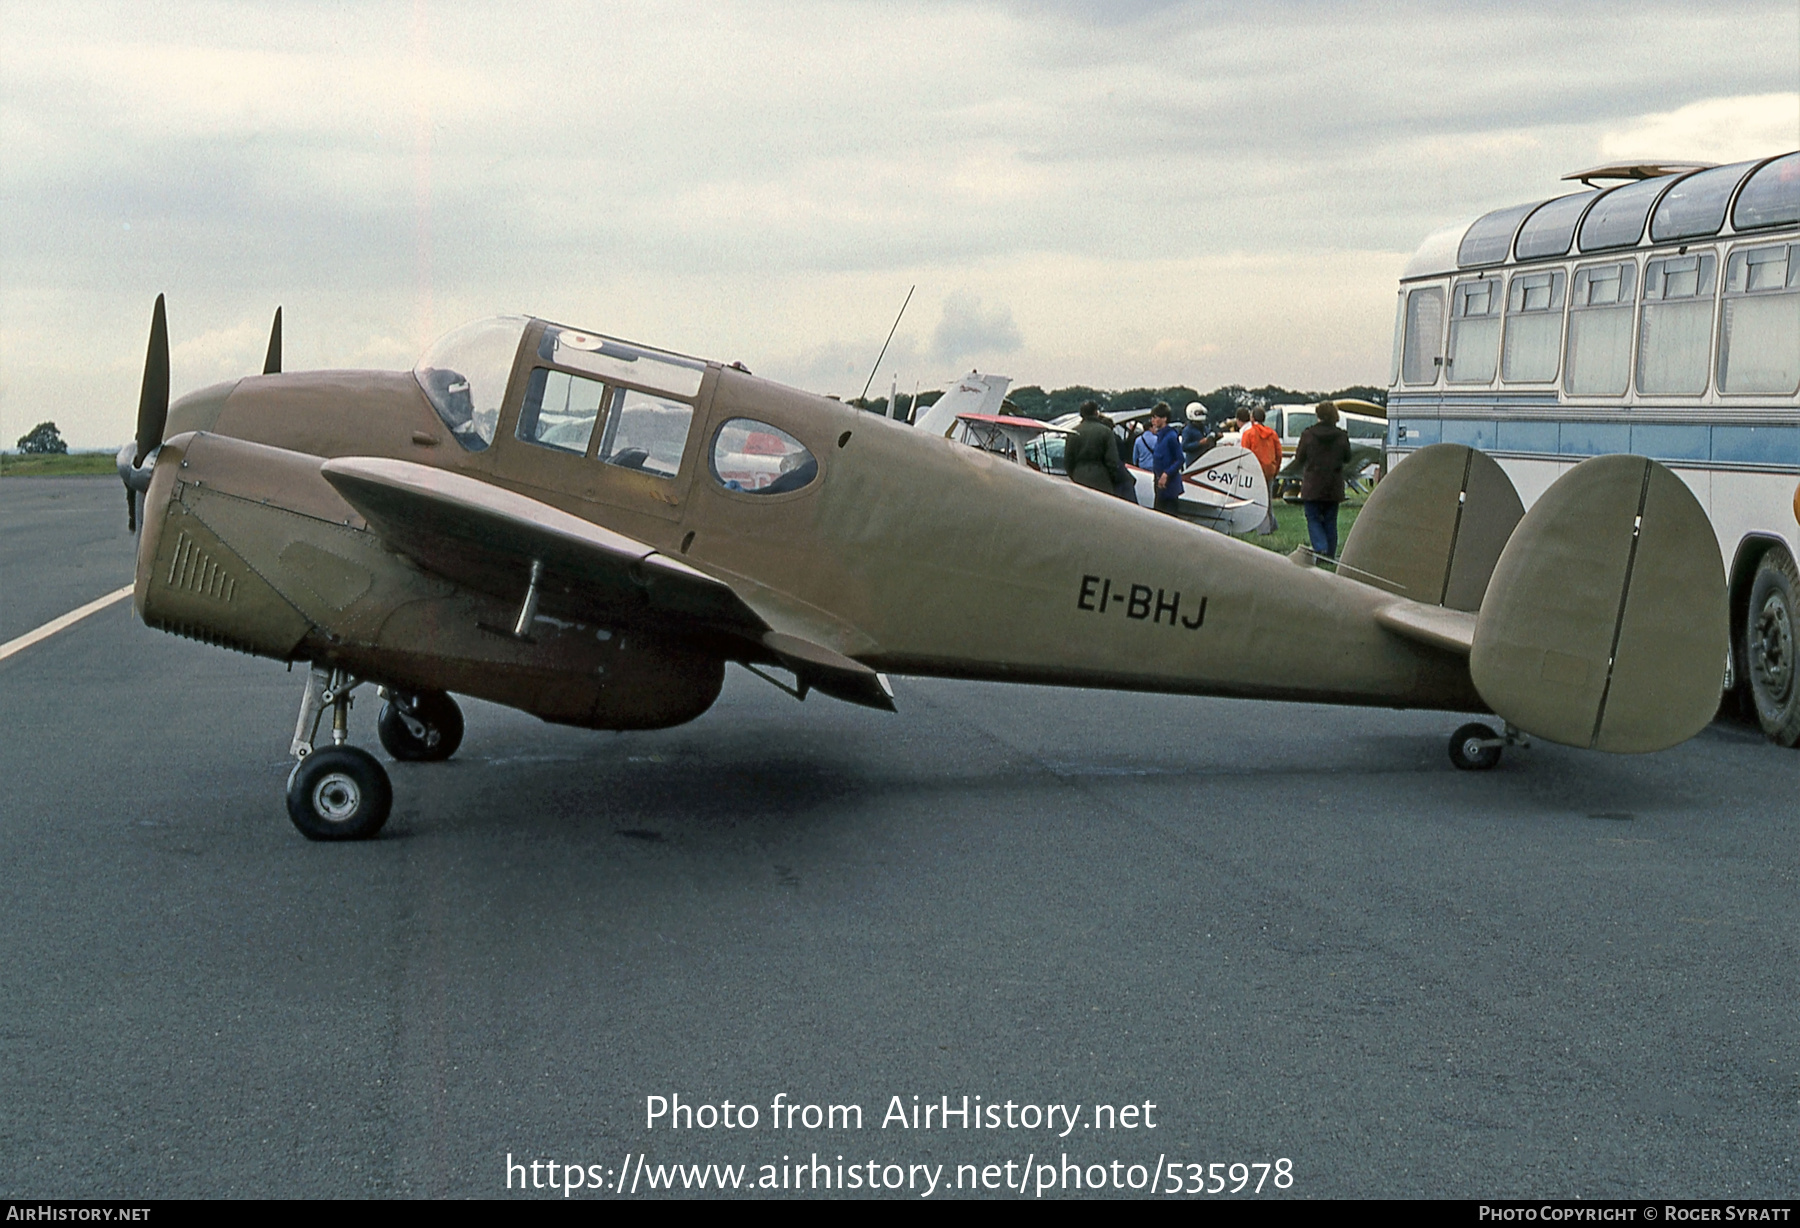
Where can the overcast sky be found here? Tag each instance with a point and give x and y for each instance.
(1114, 194)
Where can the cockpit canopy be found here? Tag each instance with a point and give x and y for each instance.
(465, 372)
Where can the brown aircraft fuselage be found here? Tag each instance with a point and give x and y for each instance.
(907, 554)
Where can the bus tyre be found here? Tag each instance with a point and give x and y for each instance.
(1771, 639)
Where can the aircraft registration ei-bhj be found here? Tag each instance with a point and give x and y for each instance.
(588, 530)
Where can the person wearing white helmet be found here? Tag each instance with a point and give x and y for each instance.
(1195, 441)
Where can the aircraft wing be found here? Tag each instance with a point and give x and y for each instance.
(486, 537)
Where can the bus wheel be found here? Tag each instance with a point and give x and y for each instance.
(1772, 637)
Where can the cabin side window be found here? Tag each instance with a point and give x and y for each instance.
(560, 410)
(758, 459)
(1675, 330)
(1759, 328)
(1423, 352)
(1600, 309)
(1474, 331)
(1534, 327)
(645, 432)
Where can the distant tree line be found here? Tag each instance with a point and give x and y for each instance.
(1031, 401)
(42, 440)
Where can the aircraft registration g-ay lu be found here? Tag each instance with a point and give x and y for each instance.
(588, 530)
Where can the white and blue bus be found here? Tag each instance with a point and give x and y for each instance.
(1659, 317)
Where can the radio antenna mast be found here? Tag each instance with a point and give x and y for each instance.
(884, 346)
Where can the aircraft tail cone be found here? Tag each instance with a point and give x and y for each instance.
(1605, 623)
(136, 459)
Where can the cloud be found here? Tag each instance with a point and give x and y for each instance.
(968, 329)
(1141, 191)
(1711, 130)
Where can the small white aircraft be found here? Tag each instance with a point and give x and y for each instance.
(1223, 490)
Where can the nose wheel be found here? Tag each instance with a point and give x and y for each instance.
(339, 792)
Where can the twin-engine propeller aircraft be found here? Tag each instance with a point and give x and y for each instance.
(588, 530)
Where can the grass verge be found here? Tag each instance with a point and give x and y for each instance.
(57, 465)
(1290, 526)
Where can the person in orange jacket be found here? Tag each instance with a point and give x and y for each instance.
(1265, 444)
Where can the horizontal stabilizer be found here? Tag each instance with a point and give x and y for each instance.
(1453, 630)
(1605, 622)
(1433, 529)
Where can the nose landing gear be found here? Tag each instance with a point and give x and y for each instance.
(340, 792)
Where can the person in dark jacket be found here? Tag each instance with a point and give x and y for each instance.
(1196, 440)
(1092, 453)
(1321, 457)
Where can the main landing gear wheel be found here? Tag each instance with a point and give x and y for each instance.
(1475, 748)
(422, 728)
(339, 793)
(1771, 640)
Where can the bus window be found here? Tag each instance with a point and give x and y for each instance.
(1424, 350)
(1695, 207)
(1600, 329)
(1399, 319)
(1551, 230)
(1534, 312)
(1772, 197)
(1490, 239)
(1617, 218)
(1474, 331)
(1675, 331)
(1759, 329)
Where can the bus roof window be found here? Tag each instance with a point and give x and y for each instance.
(1489, 240)
(1695, 206)
(1550, 230)
(1617, 218)
(1772, 197)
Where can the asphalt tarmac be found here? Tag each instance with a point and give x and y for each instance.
(1295, 930)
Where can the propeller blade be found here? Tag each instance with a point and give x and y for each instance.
(153, 401)
(272, 363)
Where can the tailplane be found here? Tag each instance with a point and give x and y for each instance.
(1605, 624)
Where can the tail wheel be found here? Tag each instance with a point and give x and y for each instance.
(1771, 643)
(339, 793)
(1475, 748)
(422, 728)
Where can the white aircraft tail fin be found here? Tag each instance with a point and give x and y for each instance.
(974, 393)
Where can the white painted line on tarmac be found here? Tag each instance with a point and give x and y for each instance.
(58, 624)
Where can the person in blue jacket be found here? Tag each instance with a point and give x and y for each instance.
(1166, 459)
(1140, 448)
